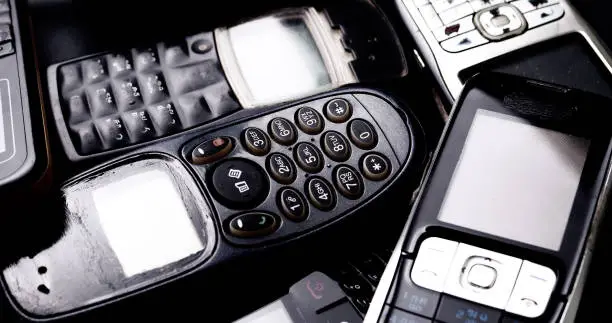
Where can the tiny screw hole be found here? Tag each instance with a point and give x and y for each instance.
(42, 270)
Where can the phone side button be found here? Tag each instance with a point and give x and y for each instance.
(316, 292)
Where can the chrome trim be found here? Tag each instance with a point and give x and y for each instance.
(328, 41)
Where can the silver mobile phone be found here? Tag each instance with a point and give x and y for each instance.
(456, 35)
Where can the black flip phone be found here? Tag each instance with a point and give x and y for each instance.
(503, 227)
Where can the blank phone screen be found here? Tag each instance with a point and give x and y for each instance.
(515, 180)
(146, 222)
(278, 58)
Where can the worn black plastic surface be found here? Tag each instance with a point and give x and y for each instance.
(567, 60)
(227, 252)
(192, 85)
(341, 204)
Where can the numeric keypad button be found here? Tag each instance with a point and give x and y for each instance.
(282, 131)
(94, 70)
(113, 132)
(255, 141)
(165, 118)
(139, 125)
(320, 193)
(348, 181)
(102, 101)
(281, 168)
(338, 110)
(119, 64)
(375, 166)
(292, 204)
(127, 93)
(308, 157)
(309, 120)
(362, 134)
(336, 146)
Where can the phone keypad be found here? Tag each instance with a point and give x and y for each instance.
(452, 22)
(167, 94)
(314, 171)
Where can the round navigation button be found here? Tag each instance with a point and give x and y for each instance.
(375, 166)
(320, 193)
(282, 131)
(281, 168)
(238, 183)
(255, 141)
(336, 146)
(338, 110)
(309, 120)
(362, 134)
(348, 182)
(308, 157)
(211, 150)
(251, 225)
(292, 204)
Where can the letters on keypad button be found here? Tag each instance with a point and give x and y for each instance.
(94, 70)
(139, 125)
(112, 131)
(145, 59)
(119, 65)
(128, 94)
(102, 101)
(165, 119)
(153, 88)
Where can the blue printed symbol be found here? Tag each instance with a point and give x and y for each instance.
(472, 314)
(484, 317)
(460, 314)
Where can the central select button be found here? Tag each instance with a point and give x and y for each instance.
(482, 276)
(239, 183)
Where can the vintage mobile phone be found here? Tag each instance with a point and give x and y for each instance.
(502, 227)
(456, 35)
(114, 101)
(22, 148)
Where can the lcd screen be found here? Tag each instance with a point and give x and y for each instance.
(515, 180)
(146, 222)
(273, 312)
(278, 58)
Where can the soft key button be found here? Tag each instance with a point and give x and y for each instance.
(543, 16)
(459, 27)
(532, 291)
(432, 263)
(482, 276)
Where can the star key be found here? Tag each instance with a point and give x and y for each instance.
(375, 167)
